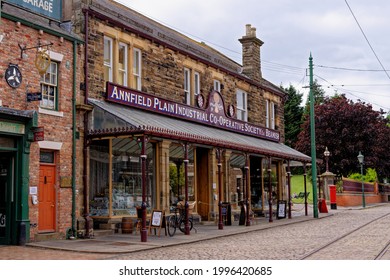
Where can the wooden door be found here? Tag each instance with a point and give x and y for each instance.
(203, 188)
(47, 198)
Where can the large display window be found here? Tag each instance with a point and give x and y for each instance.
(119, 192)
(177, 174)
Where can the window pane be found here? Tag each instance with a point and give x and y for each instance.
(49, 87)
(107, 51)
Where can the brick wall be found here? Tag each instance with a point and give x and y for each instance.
(56, 128)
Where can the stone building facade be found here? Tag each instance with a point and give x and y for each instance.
(159, 103)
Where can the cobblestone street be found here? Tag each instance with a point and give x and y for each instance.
(291, 242)
(292, 239)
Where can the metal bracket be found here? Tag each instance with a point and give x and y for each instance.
(24, 48)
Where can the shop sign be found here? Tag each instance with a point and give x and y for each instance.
(214, 115)
(11, 127)
(34, 96)
(48, 8)
(39, 134)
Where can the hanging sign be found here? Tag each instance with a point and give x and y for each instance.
(39, 134)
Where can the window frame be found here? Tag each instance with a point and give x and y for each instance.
(196, 83)
(187, 86)
(270, 114)
(137, 69)
(108, 64)
(217, 85)
(242, 111)
(49, 85)
(123, 71)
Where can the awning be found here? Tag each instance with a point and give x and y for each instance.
(111, 119)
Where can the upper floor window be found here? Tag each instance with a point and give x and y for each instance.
(137, 69)
(122, 64)
(49, 87)
(217, 85)
(242, 109)
(196, 83)
(187, 86)
(270, 114)
(108, 64)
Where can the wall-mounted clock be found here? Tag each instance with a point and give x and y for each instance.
(13, 76)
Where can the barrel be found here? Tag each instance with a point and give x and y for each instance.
(127, 225)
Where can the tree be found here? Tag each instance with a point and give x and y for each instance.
(318, 95)
(293, 115)
(346, 128)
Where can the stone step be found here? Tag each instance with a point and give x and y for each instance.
(46, 236)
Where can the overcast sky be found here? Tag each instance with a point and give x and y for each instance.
(349, 39)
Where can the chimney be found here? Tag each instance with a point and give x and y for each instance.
(251, 54)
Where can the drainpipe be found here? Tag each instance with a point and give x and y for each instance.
(85, 149)
(74, 143)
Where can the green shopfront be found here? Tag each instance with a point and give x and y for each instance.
(16, 134)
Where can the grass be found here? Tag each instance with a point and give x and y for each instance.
(297, 186)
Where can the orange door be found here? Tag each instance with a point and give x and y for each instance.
(46, 195)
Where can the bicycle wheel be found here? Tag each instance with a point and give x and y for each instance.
(171, 225)
(183, 224)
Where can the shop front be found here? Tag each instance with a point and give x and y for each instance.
(149, 153)
(16, 134)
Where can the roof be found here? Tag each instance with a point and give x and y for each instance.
(113, 119)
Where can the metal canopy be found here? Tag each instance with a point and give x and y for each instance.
(112, 120)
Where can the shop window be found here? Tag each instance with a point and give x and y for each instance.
(242, 110)
(6, 142)
(122, 64)
(99, 176)
(137, 69)
(237, 179)
(270, 181)
(127, 176)
(108, 65)
(125, 187)
(177, 175)
(49, 87)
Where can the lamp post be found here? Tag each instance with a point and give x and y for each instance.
(327, 154)
(361, 161)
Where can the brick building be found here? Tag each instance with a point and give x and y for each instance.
(39, 60)
(174, 119)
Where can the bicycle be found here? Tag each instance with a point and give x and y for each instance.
(177, 220)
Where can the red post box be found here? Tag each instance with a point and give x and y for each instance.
(333, 197)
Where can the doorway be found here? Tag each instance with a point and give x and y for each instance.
(6, 197)
(47, 198)
(203, 192)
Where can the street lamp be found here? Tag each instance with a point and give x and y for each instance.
(327, 154)
(361, 161)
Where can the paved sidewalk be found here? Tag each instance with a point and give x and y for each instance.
(126, 243)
